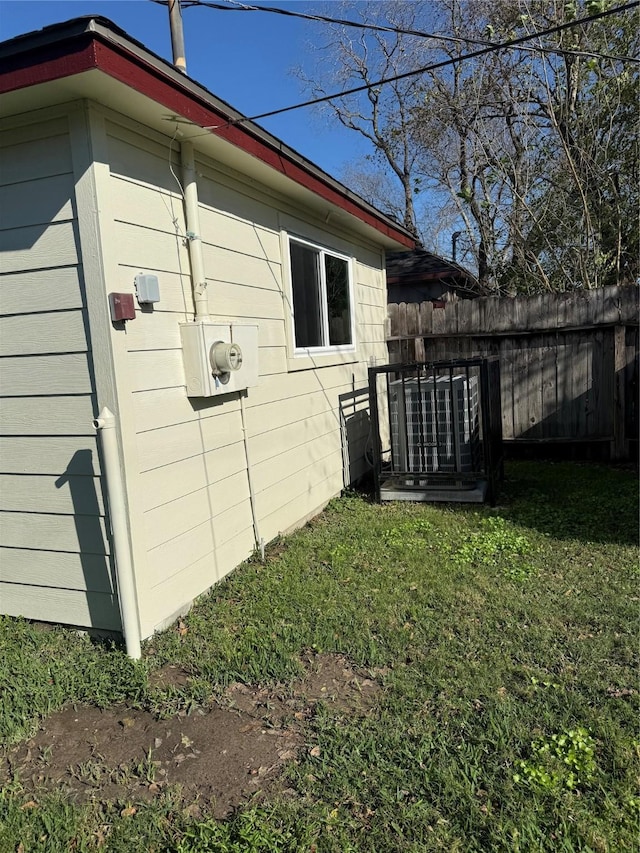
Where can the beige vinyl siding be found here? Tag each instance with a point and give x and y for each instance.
(54, 561)
(191, 477)
(170, 480)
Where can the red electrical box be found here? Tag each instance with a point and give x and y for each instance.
(122, 306)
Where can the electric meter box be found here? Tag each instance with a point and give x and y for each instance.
(219, 358)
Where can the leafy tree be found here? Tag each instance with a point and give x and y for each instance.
(384, 114)
(532, 154)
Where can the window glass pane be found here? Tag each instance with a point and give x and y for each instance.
(339, 310)
(305, 280)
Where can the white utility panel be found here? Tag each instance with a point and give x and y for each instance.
(147, 289)
(219, 358)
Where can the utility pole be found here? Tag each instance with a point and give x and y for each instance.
(177, 35)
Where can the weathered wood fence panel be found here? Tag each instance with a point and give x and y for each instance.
(569, 361)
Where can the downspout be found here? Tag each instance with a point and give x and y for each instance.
(192, 218)
(199, 286)
(191, 210)
(105, 423)
(192, 221)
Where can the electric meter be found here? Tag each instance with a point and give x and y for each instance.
(219, 358)
(225, 358)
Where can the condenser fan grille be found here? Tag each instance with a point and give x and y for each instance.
(435, 424)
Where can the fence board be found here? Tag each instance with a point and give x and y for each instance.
(596, 383)
(549, 389)
(520, 397)
(584, 401)
(611, 305)
(402, 319)
(565, 372)
(392, 314)
(491, 312)
(438, 322)
(619, 369)
(506, 388)
(632, 383)
(451, 315)
(413, 319)
(465, 307)
(426, 318)
(534, 381)
(629, 305)
(537, 312)
(562, 427)
(608, 365)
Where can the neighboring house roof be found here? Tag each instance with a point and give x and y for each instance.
(92, 58)
(418, 271)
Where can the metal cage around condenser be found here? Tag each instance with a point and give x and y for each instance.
(437, 430)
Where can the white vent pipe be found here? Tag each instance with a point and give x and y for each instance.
(191, 211)
(105, 423)
(192, 216)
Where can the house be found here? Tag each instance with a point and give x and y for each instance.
(167, 261)
(420, 276)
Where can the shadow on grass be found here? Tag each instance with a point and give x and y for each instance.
(568, 500)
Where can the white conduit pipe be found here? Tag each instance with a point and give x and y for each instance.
(199, 284)
(192, 215)
(252, 496)
(105, 423)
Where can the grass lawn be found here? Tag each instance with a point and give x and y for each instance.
(505, 642)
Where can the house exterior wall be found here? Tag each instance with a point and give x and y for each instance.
(54, 558)
(188, 484)
(88, 200)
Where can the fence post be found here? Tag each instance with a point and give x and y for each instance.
(618, 444)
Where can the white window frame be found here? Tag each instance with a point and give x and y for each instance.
(325, 349)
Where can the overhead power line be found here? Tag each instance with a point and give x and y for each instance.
(243, 7)
(490, 48)
(442, 64)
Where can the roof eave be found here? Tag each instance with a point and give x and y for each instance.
(95, 43)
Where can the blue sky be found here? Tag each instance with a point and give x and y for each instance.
(245, 58)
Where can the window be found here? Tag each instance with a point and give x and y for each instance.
(321, 285)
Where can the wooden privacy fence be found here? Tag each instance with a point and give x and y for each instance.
(569, 361)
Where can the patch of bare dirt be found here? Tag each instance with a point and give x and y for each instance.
(219, 755)
(332, 679)
(329, 678)
(169, 676)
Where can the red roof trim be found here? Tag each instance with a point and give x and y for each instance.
(166, 92)
(53, 63)
(68, 57)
